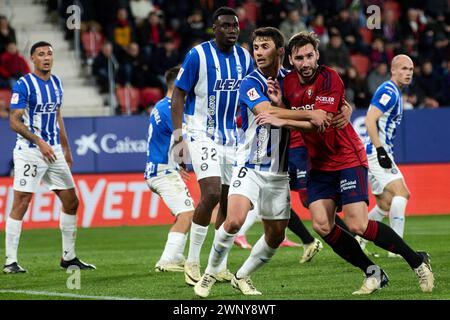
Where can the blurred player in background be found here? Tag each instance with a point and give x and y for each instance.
(339, 167)
(209, 79)
(164, 178)
(260, 179)
(42, 153)
(383, 117)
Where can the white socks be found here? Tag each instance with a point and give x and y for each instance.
(198, 235)
(180, 254)
(377, 214)
(68, 226)
(217, 261)
(397, 214)
(13, 229)
(249, 221)
(223, 265)
(174, 246)
(261, 254)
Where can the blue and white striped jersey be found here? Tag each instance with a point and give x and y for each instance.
(261, 147)
(159, 140)
(41, 99)
(387, 98)
(211, 79)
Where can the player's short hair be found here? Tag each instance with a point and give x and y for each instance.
(270, 32)
(171, 75)
(302, 39)
(223, 11)
(37, 45)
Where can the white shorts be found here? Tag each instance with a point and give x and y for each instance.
(380, 177)
(30, 168)
(269, 193)
(212, 160)
(172, 189)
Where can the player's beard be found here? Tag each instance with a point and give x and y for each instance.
(310, 74)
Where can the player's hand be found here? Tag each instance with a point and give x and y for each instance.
(320, 118)
(321, 129)
(274, 92)
(267, 118)
(180, 152)
(383, 158)
(184, 174)
(341, 120)
(68, 157)
(47, 151)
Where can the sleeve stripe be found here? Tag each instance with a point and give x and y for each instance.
(259, 81)
(26, 84)
(326, 79)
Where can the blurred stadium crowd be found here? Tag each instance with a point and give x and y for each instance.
(144, 38)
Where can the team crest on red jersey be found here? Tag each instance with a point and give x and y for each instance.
(310, 92)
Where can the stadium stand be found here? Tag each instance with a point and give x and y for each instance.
(165, 30)
(128, 96)
(31, 23)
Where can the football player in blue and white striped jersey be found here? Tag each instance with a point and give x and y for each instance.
(209, 79)
(164, 177)
(260, 179)
(42, 153)
(383, 117)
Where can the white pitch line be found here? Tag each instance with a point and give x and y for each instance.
(66, 295)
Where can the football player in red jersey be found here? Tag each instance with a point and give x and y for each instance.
(338, 175)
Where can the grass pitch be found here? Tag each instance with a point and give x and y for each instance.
(125, 257)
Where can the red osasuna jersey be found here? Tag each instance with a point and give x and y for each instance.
(334, 149)
(296, 139)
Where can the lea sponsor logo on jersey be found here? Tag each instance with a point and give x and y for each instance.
(227, 84)
(325, 100)
(49, 107)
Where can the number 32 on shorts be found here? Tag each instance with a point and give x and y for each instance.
(205, 154)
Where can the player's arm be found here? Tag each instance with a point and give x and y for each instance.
(280, 110)
(16, 124)
(251, 95)
(63, 138)
(268, 118)
(373, 114)
(318, 117)
(179, 149)
(382, 101)
(186, 80)
(264, 116)
(177, 111)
